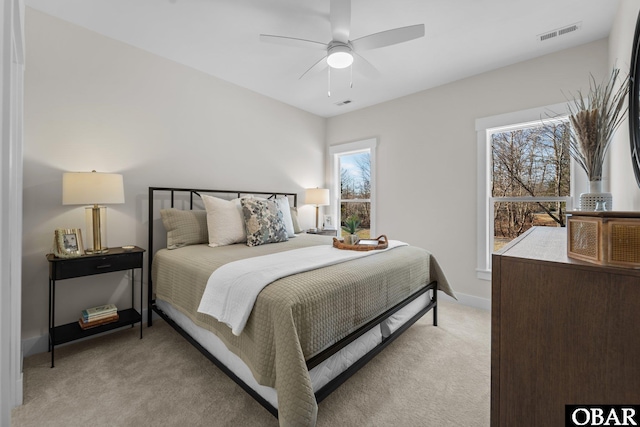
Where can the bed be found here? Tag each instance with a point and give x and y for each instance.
(308, 331)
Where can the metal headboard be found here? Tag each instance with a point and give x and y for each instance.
(191, 192)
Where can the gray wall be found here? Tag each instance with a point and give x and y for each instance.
(95, 103)
(626, 194)
(426, 164)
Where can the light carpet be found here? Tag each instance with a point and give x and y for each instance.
(430, 376)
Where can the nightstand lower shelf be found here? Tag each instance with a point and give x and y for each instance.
(72, 331)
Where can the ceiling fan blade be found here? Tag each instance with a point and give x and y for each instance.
(318, 66)
(293, 42)
(365, 67)
(340, 17)
(389, 37)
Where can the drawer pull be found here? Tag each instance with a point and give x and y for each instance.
(104, 266)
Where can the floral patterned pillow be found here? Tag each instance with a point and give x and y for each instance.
(263, 222)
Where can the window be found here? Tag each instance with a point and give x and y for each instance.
(355, 190)
(353, 167)
(530, 178)
(524, 177)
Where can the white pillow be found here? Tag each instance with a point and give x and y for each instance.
(283, 206)
(294, 219)
(225, 221)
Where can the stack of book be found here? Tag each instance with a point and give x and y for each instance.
(97, 316)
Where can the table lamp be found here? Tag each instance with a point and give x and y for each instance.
(318, 197)
(93, 188)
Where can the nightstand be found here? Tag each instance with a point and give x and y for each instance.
(117, 259)
(324, 232)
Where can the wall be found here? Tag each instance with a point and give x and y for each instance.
(11, 139)
(95, 103)
(625, 191)
(426, 170)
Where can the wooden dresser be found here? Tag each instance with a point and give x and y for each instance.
(563, 332)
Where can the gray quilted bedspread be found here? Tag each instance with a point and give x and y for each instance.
(297, 316)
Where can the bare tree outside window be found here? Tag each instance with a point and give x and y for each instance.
(532, 162)
(355, 190)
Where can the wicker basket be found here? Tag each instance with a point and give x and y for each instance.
(383, 243)
(605, 238)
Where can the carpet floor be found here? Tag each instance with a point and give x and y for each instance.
(430, 376)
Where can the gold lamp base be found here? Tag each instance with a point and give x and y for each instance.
(99, 251)
(96, 226)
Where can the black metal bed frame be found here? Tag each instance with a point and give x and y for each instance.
(311, 362)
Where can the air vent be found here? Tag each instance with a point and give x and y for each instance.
(567, 30)
(548, 36)
(340, 104)
(559, 32)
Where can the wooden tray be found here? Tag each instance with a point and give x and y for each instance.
(383, 243)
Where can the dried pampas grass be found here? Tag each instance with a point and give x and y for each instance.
(594, 120)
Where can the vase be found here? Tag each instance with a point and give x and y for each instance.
(351, 239)
(596, 199)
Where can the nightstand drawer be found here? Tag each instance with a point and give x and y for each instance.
(78, 267)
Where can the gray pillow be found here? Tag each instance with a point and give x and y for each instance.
(263, 222)
(184, 228)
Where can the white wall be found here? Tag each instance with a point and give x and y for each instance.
(426, 170)
(625, 191)
(11, 136)
(95, 103)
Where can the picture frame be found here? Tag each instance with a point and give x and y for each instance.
(328, 222)
(67, 243)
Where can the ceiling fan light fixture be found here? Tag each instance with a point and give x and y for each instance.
(339, 57)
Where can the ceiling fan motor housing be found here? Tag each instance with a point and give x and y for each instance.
(339, 55)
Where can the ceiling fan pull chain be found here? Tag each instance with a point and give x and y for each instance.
(329, 82)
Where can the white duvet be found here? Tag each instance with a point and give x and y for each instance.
(232, 289)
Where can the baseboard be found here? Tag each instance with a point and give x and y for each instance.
(40, 344)
(468, 300)
(19, 391)
(35, 345)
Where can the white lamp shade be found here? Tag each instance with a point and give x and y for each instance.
(92, 188)
(317, 196)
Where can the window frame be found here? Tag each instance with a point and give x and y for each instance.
(335, 151)
(485, 202)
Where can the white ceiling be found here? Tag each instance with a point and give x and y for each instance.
(221, 38)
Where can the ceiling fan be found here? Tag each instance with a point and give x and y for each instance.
(342, 52)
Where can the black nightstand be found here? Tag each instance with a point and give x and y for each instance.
(324, 232)
(117, 259)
